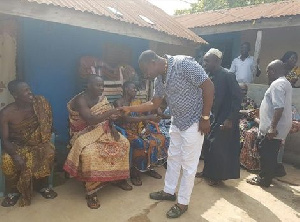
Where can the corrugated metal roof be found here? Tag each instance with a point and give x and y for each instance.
(240, 14)
(130, 11)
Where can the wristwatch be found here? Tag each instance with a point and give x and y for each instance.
(205, 117)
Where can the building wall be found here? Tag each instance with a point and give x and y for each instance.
(49, 56)
(163, 48)
(275, 42)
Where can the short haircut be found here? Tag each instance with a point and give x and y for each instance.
(147, 56)
(13, 86)
(288, 55)
(91, 78)
(248, 45)
(127, 84)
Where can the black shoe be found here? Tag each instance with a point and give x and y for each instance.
(280, 171)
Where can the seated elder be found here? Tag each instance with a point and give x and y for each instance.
(147, 143)
(249, 157)
(99, 154)
(28, 154)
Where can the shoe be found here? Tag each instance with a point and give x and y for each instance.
(161, 195)
(176, 211)
(280, 171)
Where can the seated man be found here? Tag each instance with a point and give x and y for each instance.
(146, 140)
(249, 157)
(28, 153)
(99, 154)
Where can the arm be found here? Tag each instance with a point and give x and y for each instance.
(208, 91)
(278, 98)
(233, 67)
(85, 113)
(7, 145)
(153, 104)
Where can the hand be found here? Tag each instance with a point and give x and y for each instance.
(272, 133)
(204, 126)
(125, 109)
(154, 118)
(252, 114)
(227, 124)
(114, 117)
(19, 162)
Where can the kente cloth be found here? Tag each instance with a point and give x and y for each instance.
(32, 140)
(95, 156)
(148, 144)
(293, 75)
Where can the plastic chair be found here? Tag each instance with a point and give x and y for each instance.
(2, 178)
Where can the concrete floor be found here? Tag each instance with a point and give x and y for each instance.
(234, 201)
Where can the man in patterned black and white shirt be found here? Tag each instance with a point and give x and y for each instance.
(189, 94)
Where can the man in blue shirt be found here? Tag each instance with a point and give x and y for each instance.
(189, 94)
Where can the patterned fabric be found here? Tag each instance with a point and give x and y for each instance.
(294, 75)
(249, 157)
(148, 144)
(32, 139)
(248, 104)
(182, 90)
(164, 126)
(95, 156)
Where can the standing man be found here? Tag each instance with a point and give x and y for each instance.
(222, 145)
(189, 93)
(243, 65)
(275, 122)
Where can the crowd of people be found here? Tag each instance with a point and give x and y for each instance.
(195, 109)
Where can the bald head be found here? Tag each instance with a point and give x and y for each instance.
(147, 57)
(275, 69)
(244, 88)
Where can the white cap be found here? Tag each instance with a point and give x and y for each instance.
(216, 52)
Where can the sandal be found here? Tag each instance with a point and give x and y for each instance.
(136, 181)
(154, 174)
(48, 193)
(199, 175)
(214, 182)
(176, 211)
(124, 185)
(10, 200)
(257, 181)
(92, 201)
(161, 195)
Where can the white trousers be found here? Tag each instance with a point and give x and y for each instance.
(184, 152)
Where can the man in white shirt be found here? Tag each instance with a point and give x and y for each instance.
(243, 66)
(275, 122)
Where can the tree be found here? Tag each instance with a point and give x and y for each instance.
(206, 5)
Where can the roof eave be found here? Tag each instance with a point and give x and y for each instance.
(263, 23)
(90, 21)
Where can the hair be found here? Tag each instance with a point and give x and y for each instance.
(248, 45)
(91, 78)
(288, 55)
(13, 86)
(127, 84)
(147, 56)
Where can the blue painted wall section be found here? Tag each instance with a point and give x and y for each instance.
(49, 57)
